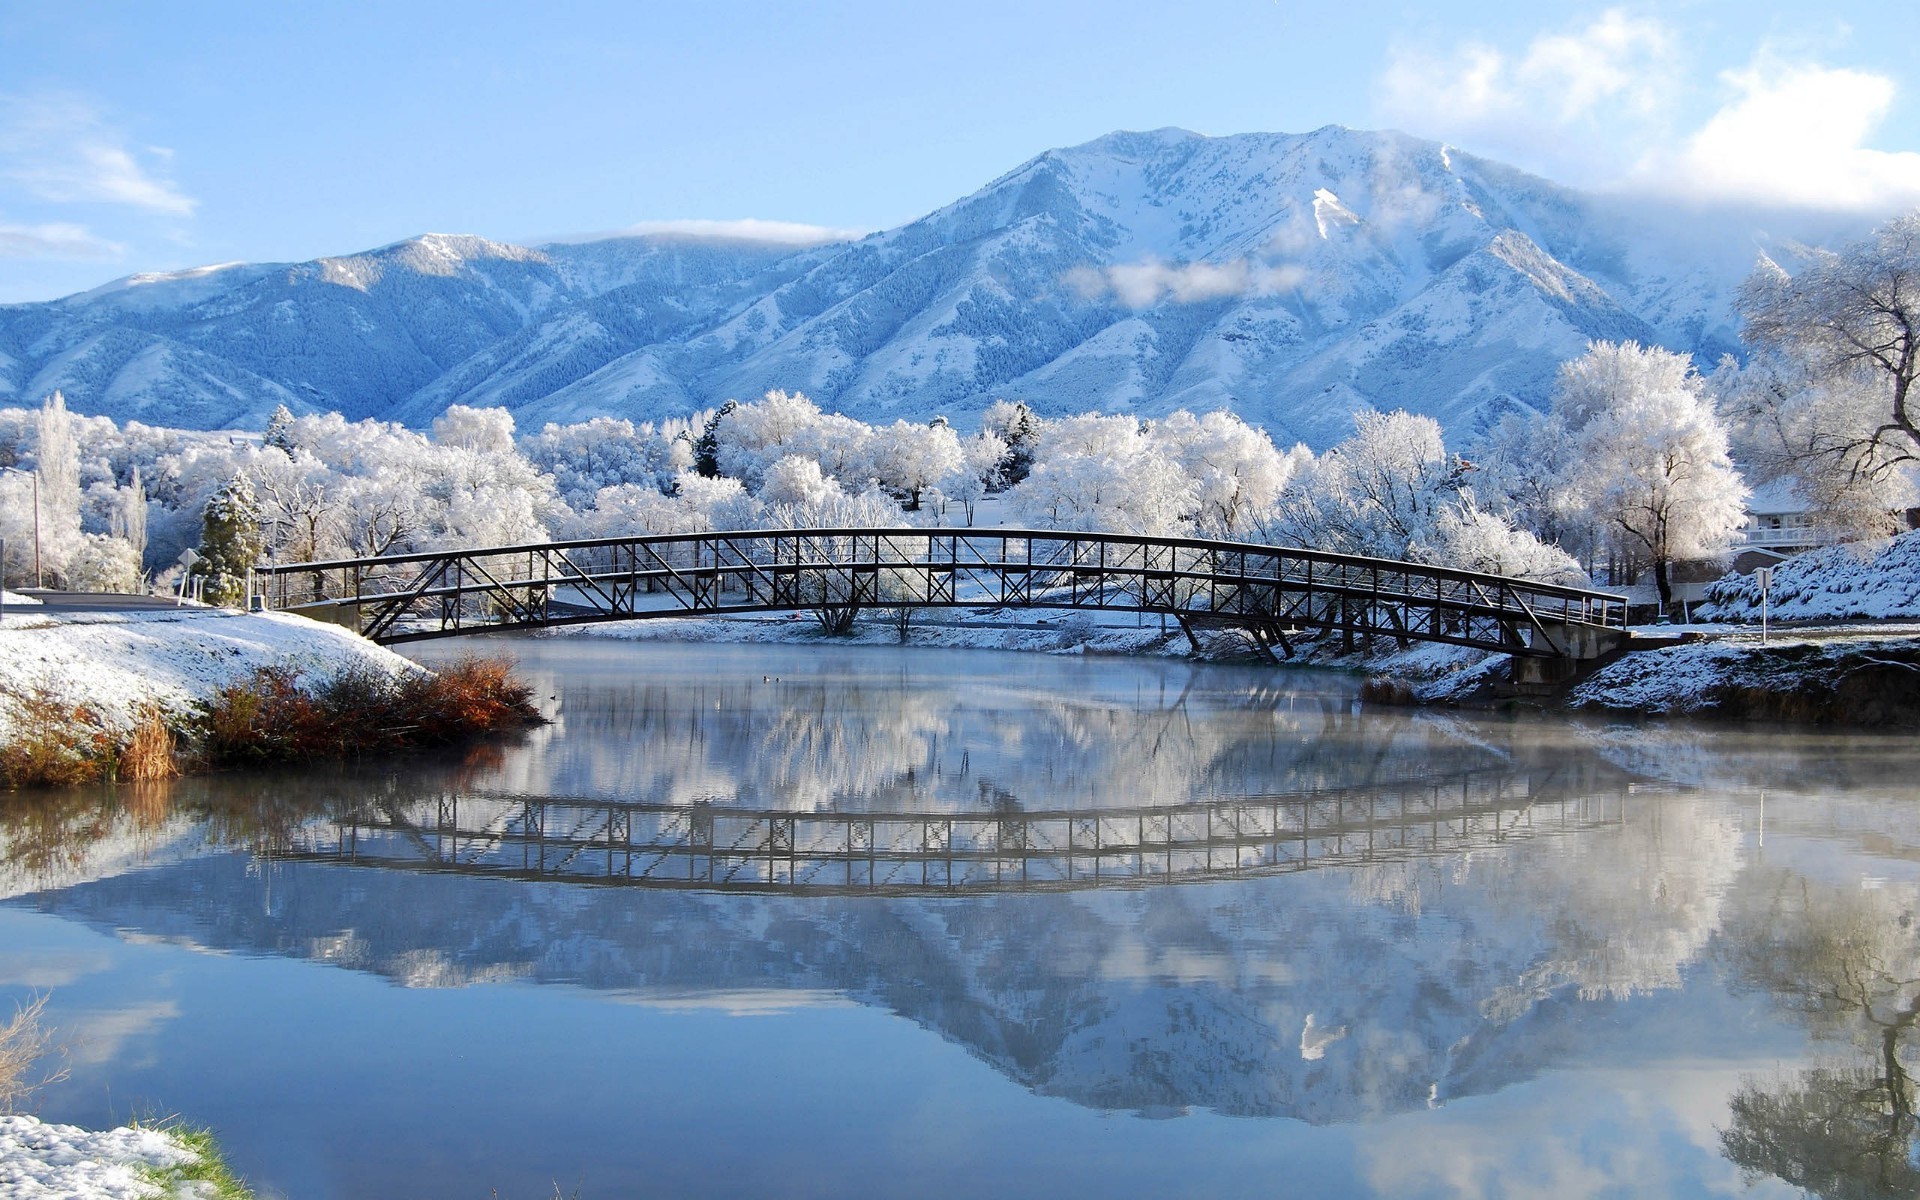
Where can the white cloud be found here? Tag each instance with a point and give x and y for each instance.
(1794, 134)
(1614, 105)
(749, 229)
(1617, 70)
(54, 240)
(57, 148)
(1145, 283)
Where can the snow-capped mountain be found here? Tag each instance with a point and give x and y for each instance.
(1292, 278)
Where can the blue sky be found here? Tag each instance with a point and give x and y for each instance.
(155, 136)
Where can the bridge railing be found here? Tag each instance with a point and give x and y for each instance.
(759, 570)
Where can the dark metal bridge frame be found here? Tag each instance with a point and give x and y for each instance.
(1268, 591)
(718, 846)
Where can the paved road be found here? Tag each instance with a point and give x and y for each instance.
(72, 602)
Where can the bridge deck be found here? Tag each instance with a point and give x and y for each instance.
(1268, 590)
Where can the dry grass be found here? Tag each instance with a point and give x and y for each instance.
(24, 1044)
(150, 753)
(271, 718)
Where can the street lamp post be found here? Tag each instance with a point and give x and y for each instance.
(39, 580)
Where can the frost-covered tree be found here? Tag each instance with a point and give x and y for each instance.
(298, 503)
(981, 458)
(279, 434)
(232, 541)
(1237, 473)
(1393, 491)
(906, 459)
(604, 451)
(103, 563)
(1380, 492)
(1648, 456)
(56, 460)
(1815, 430)
(1850, 319)
(1104, 473)
(754, 436)
(797, 482)
(483, 430)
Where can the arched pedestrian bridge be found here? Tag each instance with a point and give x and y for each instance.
(1271, 592)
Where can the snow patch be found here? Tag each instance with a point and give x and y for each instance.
(42, 1160)
(116, 664)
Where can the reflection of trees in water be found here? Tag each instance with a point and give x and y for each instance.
(1846, 960)
(867, 742)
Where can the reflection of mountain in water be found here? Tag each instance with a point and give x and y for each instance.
(1325, 995)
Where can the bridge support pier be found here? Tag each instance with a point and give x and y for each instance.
(1576, 649)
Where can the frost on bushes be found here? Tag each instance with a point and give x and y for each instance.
(103, 563)
(1878, 579)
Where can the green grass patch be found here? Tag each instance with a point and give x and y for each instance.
(208, 1169)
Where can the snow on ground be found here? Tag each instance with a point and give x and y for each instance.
(1862, 579)
(115, 663)
(1690, 677)
(1053, 632)
(42, 1160)
(11, 599)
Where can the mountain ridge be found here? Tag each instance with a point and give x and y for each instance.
(1291, 278)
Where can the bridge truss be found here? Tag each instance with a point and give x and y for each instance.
(718, 846)
(1269, 591)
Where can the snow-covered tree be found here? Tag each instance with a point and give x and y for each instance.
(103, 563)
(1645, 464)
(279, 434)
(981, 458)
(1021, 429)
(906, 459)
(1816, 430)
(797, 482)
(483, 430)
(1851, 320)
(1103, 473)
(754, 436)
(56, 459)
(1380, 492)
(1237, 473)
(232, 541)
(604, 451)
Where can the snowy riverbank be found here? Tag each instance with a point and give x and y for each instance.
(38, 1159)
(115, 663)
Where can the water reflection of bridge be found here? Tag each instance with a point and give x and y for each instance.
(716, 846)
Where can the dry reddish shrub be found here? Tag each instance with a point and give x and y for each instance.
(54, 744)
(270, 718)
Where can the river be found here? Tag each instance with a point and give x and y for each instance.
(839, 921)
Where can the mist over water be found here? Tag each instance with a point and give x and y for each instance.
(819, 920)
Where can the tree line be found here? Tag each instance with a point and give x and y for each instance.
(1639, 462)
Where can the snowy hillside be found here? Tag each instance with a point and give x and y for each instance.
(1289, 277)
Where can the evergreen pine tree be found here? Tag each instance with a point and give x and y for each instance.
(1023, 439)
(280, 428)
(231, 541)
(706, 451)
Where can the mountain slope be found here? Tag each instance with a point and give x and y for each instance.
(1292, 278)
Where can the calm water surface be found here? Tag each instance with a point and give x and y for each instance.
(826, 921)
